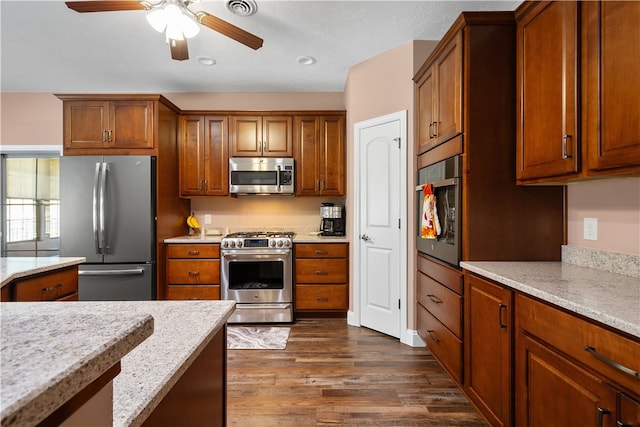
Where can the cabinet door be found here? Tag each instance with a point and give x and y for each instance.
(131, 124)
(629, 414)
(307, 155)
(191, 154)
(546, 65)
(246, 136)
(448, 92)
(333, 157)
(488, 332)
(276, 136)
(85, 124)
(552, 391)
(612, 86)
(426, 139)
(216, 156)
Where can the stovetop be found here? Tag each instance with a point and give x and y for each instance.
(258, 239)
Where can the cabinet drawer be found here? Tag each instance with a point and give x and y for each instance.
(193, 251)
(183, 292)
(322, 297)
(447, 276)
(323, 250)
(442, 302)
(321, 271)
(445, 346)
(571, 334)
(193, 271)
(48, 287)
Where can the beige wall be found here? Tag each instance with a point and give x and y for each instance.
(30, 119)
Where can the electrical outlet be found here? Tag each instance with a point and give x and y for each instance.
(591, 229)
(207, 218)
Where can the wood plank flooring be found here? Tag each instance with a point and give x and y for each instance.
(332, 374)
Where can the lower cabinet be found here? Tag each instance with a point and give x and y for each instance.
(569, 371)
(55, 285)
(321, 277)
(439, 313)
(193, 271)
(488, 348)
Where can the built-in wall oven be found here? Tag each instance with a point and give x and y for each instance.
(257, 272)
(445, 176)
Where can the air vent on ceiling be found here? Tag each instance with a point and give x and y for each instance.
(242, 7)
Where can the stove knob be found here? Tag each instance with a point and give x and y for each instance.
(287, 243)
(272, 243)
(279, 243)
(239, 243)
(225, 244)
(232, 244)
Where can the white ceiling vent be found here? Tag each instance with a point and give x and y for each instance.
(242, 7)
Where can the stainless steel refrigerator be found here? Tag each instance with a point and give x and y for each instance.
(108, 216)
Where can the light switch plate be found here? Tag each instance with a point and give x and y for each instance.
(207, 218)
(591, 229)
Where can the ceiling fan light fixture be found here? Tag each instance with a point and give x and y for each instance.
(189, 27)
(157, 19)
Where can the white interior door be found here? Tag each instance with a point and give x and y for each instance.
(380, 213)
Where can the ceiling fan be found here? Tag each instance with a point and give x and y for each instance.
(174, 17)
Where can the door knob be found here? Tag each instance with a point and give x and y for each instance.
(365, 237)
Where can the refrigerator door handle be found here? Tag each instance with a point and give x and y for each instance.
(96, 218)
(126, 272)
(101, 232)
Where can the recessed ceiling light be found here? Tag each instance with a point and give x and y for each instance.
(242, 7)
(205, 60)
(306, 60)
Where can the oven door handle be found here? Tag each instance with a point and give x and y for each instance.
(437, 184)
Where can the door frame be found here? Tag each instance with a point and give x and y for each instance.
(353, 315)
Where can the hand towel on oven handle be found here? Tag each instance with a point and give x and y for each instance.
(430, 223)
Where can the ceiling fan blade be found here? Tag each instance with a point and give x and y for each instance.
(229, 30)
(179, 49)
(107, 5)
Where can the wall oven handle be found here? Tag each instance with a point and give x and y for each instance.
(437, 184)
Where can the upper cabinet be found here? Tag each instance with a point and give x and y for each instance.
(319, 151)
(577, 109)
(204, 156)
(268, 136)
(440, 96)
(97, 124)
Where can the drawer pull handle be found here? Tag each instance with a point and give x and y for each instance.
(501, 309)
(611, 362)
(51, 288)
(194, 273)
(192, 298)
(622, 424)
(434, 299)
(322, 299)
(433, 337)
(319, 252)
(194, 252)
(321, 272)
(601, 413)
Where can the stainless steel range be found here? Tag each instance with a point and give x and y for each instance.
(257, 272)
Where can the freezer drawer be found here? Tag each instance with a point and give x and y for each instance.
(116, 282)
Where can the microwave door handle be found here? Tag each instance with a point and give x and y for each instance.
(278, 173)
(438, 184)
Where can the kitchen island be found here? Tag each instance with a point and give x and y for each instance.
(186, 351)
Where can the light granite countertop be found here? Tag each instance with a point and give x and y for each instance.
(51, 351)
(609, 298)
(16, 267)
(181, 330)
(308, 237)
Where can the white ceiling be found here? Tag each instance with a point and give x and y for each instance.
(46, 47)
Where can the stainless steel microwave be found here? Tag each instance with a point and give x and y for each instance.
(261, 175)
(445, 176)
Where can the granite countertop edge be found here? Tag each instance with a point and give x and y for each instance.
(12, 268)
(521, 276)
(299, 238)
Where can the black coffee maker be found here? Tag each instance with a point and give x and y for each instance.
(331, 220)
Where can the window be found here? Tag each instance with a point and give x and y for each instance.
(30, 204)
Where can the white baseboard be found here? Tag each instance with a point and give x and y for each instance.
(411, 338)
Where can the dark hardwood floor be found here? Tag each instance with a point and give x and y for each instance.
(340, 375)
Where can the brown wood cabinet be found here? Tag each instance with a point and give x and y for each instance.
(193, 271)
(440, 95)
(321, 277)
(55, 285)
(489, 349)
(204, 156)
(320, 153)
(268, 136)
(439, 313)
(577, 110)
(570, 371)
